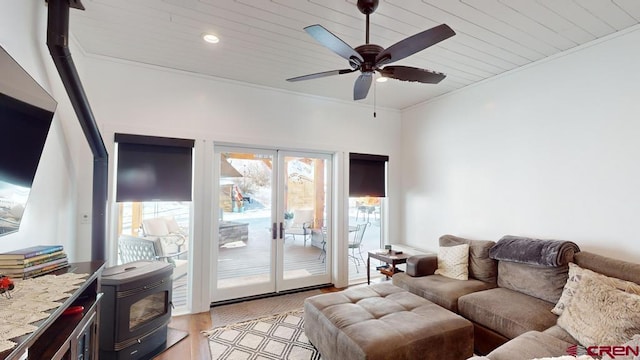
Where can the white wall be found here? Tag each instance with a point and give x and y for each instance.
(550, 151)
(140, 99)
(50, 214)
(162, 101)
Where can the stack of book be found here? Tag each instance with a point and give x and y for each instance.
(33, 261)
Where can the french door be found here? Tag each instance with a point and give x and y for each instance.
(272, 232)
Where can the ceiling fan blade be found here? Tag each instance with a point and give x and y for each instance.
(321, 74)
(334, 43)
(362, 85)
(413, 44)
(407, 73)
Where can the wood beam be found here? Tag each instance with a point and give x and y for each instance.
(320, 196)
(136, 217)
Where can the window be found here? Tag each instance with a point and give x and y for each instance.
(154, 192)
(367, 192)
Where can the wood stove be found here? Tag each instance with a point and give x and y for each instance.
(135, 309)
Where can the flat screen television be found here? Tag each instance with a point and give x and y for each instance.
(26, 112)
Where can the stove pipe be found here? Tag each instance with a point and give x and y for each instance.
(58, 44)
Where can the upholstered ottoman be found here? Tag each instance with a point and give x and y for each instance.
(383, 321)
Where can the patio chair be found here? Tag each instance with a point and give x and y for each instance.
(356, 244)
(302, 225)
(323, 243)
(173, 238)
(131, 248)
(366, 208)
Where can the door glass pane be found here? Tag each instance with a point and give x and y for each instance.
(306, 199)
(244, 214)
(365, 234)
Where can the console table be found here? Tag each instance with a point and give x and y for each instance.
(390, 257)
(66, 336)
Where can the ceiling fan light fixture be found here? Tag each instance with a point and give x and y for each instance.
(370, 58)
(210, 38)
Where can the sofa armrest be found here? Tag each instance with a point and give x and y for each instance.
(422, 265)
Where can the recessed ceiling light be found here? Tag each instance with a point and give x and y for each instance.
(210, 38)
(382, 79)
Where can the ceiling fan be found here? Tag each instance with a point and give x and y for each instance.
(369, 58)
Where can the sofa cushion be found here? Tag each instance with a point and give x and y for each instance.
(543, 282)
(439, 289)
(155, 227)
(560, 333)
(453, 262)
(575, 275)
(507, 312)
(608, 266)
(532, 344)
(511, 352)
(481, 267)
(600, 314)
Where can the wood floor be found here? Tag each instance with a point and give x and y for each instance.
(195, 346)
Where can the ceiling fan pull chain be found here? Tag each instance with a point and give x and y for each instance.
(374, 97)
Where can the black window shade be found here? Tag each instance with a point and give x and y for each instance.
(367, 175)
(153, 168)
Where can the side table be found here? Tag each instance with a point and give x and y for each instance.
(388, 256)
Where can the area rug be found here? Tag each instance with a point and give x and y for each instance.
(253, 309)
(274, 337)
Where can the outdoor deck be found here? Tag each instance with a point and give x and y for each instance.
(249, 260)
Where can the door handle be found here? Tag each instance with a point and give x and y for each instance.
(274, 231)
(281, 230)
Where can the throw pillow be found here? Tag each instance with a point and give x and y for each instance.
(481, 266)
(576, 273)
(172, 225)
(155, 227)
(599, 314)
(453, 262)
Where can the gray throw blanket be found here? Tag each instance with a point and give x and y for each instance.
(524, 250)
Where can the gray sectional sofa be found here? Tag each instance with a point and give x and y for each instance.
(509, 301)
(420, 279)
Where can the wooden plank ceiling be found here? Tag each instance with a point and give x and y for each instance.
(263, 42)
